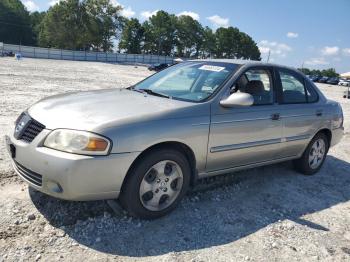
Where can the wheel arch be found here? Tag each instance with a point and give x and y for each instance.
(178, 146)
(328, 133)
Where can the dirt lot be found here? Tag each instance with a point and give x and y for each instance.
(265, 214)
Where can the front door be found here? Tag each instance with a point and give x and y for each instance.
(246, 135)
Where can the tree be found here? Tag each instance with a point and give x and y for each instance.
(160, 32)
(35, 20)
(97, 24)
(132, 37)
(330, 72)
(231, 43)
(247, 48)
(64, 26)
(306, 71)
(81, 25)
(104, 23)
(189, 34)
(208, 47)
(15, 27)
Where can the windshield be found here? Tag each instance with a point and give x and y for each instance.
(192, 81)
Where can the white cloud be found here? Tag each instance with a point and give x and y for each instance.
(316, 61)
(54, 2)
(115, 3)
(330, 50)
(219, 21)
(292, 35)
(31, 6)
(126, 11)
(194, 15)
(346, 51)
(148, 14)
(274, 48)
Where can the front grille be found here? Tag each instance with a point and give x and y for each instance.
(31, 131)
(28, 175)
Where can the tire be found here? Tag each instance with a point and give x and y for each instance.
(303, 164)
(142, 187)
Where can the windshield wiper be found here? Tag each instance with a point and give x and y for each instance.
(151, 92)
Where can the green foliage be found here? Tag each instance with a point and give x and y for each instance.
(330, 72)
(160, 34)
(231, 43)
(15, 25)
(103, 22)
(208, 47)
(190, 35)
(183, 36)
(81, 25)
(132, 36)
(35, 20)
(64, 26)
(97, 24)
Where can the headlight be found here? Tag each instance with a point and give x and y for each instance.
(77, 142)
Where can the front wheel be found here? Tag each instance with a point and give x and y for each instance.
(314, 155)
(156, 184)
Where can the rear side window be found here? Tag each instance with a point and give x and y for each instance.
(293, 89)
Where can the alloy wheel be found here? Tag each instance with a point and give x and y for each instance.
(161, 185)
(317, 153)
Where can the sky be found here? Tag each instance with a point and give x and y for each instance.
(309, 33)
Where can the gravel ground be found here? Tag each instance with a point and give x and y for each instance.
(264, 214)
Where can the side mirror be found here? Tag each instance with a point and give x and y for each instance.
(237, 99)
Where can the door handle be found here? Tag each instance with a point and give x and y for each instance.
(319, 113)
(275, 116)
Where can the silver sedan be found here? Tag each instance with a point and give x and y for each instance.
(147, 144)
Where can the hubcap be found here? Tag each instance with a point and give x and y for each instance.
(317, 153)
(161, 185)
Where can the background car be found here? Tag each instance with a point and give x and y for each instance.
(333, 81)
(323, 79)
(315, 78)
(344, 82)
(158, 67)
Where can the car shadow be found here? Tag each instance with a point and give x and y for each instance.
(216, 212)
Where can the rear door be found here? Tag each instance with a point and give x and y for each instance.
(246, 135)
(301, 114)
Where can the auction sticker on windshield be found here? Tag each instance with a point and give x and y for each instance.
(212, 68)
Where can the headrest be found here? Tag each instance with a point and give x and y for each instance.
(254, 87)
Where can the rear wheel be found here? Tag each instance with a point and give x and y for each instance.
(156, 184)
(314, 155)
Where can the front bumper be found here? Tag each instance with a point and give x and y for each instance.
(70, 176)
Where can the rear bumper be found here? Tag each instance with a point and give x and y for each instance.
(337, 135)
(70, 176)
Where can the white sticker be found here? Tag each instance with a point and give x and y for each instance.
(212, 68)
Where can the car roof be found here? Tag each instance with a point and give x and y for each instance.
(245, 62)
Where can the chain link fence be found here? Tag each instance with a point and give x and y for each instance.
(51, 53)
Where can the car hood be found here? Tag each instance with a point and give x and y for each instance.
(94, 110)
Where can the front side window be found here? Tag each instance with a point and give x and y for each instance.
(293, 90)
(258, 83)
(190, 81)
